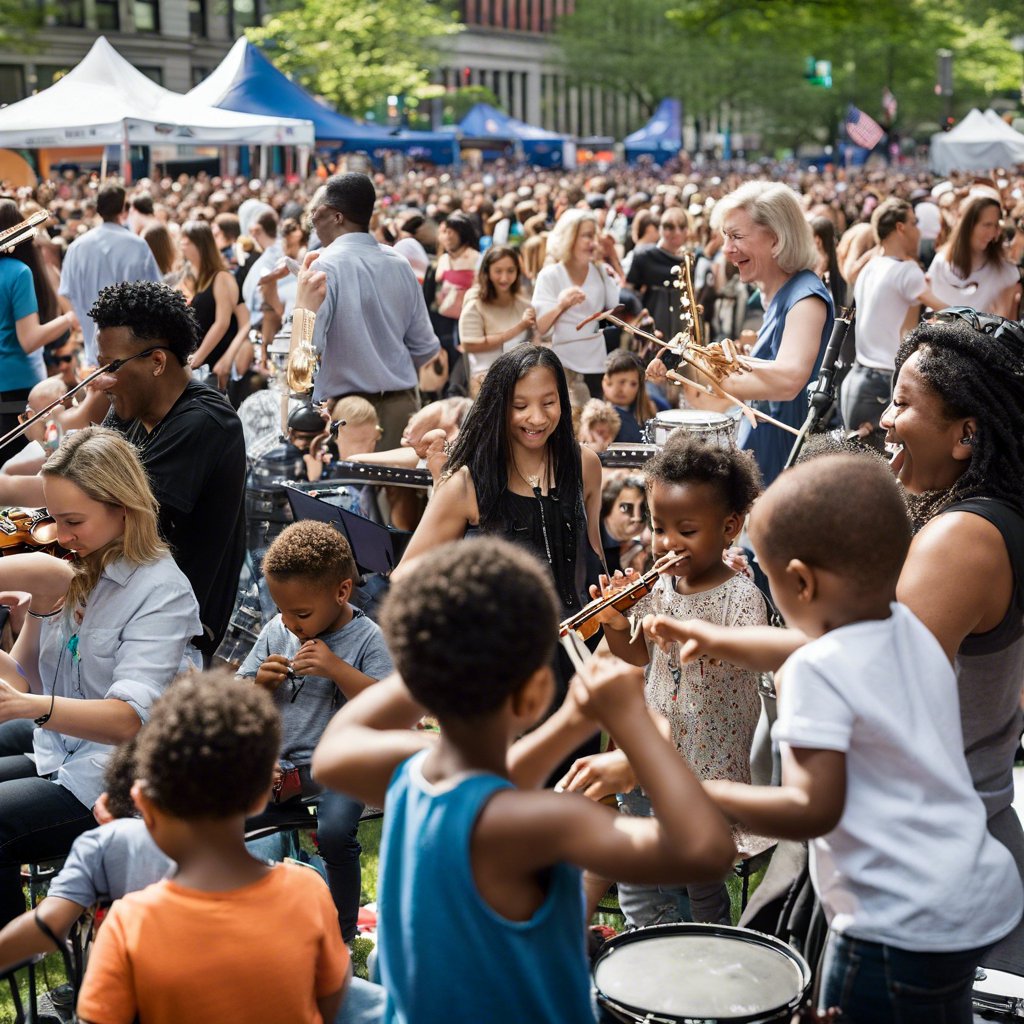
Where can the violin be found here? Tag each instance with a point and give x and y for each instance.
(584, 623)
(28, 529)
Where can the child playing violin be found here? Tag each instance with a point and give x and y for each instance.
(698, 495)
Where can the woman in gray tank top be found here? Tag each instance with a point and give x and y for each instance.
(957, 419)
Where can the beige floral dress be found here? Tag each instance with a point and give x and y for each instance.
(713, 707)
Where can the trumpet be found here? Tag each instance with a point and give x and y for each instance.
(14, 236)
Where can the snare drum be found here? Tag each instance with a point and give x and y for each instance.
(674, 973)
(998, 994)
(717, 428)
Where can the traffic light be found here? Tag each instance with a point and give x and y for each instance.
(818, 72)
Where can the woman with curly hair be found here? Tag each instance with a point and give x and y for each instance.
(105, 635)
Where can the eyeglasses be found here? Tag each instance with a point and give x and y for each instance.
(24, 417)
(61, 360)
(633, 509)
(984, 323)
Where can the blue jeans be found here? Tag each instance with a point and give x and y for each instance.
(363, 1003)
(876, 984)
(644, 905)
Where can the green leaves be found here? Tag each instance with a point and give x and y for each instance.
(356, 54)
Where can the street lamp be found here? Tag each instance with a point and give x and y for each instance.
(1017, 43)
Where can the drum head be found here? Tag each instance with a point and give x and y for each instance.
(999, 993)
(708, 972)
(672, 418)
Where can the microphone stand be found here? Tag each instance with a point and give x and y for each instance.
(822, 397)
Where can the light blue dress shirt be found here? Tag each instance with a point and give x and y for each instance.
(373, 330)
(108, 254)
(134, 638)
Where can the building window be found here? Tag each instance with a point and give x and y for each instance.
(147, 16)
(153, 74)
(67, 14)
(197, 17)
(198, 74)
(47, 74)
(244, 15)
(107, 15)
(12, 83)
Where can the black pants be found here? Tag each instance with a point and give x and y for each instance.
(39, 820)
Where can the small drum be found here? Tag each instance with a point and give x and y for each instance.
(675, 973)
(998, 995)
(717, 428)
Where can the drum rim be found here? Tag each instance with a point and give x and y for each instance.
(725, 417)
(748, 935)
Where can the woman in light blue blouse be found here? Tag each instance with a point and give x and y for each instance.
(105, 635)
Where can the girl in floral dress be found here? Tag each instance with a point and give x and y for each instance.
(698, 496)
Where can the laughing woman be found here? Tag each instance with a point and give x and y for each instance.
(105, 636)
(517, 471)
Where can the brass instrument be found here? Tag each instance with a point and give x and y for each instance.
(303, 361)
(14, 236)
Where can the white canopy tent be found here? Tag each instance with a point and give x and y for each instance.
(105, 101)
(980, 142)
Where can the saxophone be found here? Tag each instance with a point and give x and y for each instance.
(303, 361)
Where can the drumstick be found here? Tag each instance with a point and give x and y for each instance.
(747, 409)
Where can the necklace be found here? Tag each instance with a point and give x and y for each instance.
(533, 482)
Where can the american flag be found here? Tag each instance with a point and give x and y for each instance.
(863, 130)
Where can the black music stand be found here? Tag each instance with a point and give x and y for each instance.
(376, 548)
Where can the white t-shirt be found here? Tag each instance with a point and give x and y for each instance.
(911, 863)
(981, 290)
(417, 256)
(886, 288)
(583, 351)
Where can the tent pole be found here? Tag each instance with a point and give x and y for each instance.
(126, 152)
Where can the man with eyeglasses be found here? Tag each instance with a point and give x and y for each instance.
(29, 460)
(891, 284)
(373, 330)
(108, 254)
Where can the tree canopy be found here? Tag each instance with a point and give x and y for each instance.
(744, 60)
(358, 52)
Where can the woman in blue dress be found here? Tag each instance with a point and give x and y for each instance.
(769, 241)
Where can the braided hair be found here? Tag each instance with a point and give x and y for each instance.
(980, 375)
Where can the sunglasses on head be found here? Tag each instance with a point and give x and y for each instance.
(985, 323)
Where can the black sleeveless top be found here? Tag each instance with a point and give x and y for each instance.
(205, 307)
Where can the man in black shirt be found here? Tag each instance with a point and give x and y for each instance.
(188, 436)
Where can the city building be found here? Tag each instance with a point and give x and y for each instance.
(507, 46)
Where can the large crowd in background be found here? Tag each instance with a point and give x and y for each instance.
(456, 326)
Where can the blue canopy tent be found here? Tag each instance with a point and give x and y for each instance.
(661, 138)
(246, 81)
(488, 129)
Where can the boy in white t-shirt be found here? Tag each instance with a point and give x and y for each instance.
(913, 886)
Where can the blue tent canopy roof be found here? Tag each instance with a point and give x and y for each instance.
(484, 123)
(247, 81)
(662, 135)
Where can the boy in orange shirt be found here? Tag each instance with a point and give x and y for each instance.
(227, 937)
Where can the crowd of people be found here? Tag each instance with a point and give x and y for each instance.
(524, 344)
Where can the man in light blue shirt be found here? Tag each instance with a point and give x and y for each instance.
(108, 254)
(373, 331)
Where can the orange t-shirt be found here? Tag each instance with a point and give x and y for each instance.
(265, 952)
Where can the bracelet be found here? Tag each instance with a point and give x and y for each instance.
(43, 719)
(45, 615)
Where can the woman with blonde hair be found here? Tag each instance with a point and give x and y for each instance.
(104, 636)
(215, 297)
(768, 240)
(573, 288)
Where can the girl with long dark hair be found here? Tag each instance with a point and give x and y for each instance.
(516, 470)
(216, 294)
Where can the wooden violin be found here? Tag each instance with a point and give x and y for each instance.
(584, 623)
(28, 529)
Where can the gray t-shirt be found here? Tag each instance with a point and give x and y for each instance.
(109, 861)
(307, 705)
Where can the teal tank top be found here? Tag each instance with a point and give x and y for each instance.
(444, 954)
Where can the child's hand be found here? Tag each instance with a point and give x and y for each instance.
(609, 586)
(273, 672)
(598, 776)
(695, 637)
(736, 558)
(315, 658)
(606, 688)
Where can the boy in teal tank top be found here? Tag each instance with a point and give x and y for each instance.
(480, 901)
